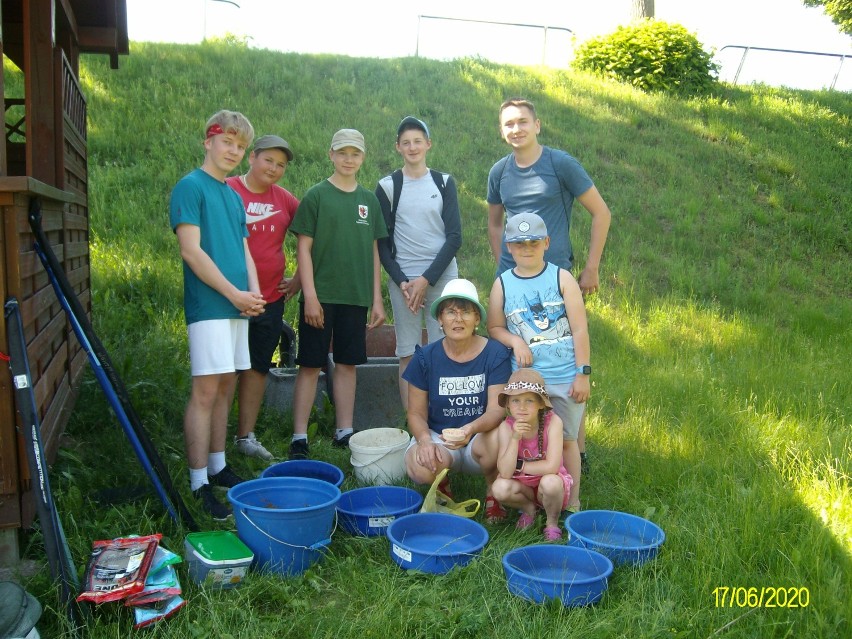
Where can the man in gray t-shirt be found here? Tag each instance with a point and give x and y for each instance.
(538, 179)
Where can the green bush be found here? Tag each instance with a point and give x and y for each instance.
(651, 55)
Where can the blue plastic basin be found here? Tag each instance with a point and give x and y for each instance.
(435, 542)
(575, 576)
(622, 537)
(369, 511)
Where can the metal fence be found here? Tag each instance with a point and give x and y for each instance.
(808, 64)
(507, 44)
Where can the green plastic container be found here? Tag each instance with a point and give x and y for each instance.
(217, 558)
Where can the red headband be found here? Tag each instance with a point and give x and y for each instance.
(215, 129)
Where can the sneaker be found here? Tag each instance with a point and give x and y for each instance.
(299, 449)
(251, 447)
(343, 442)
(212, 506)
(225, 478)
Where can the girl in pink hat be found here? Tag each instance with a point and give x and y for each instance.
(529, 462)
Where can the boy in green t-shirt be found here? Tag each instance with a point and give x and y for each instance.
(338, 223)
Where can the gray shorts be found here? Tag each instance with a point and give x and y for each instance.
(462, 460)
(408, 325)
(569, 411)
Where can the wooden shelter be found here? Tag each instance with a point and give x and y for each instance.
(44, 154)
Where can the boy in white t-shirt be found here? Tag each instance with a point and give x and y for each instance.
(421, 212)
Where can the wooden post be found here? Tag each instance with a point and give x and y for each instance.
(42, 136)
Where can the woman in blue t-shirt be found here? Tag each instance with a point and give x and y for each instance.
(454, 385)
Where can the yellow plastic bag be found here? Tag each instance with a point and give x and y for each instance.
(437, 502)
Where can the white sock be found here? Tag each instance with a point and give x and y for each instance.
(342, 432)
(300, 437)
(215, 463)
(197, 478)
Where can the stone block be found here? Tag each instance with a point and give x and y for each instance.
(377, 403)
(279, 389)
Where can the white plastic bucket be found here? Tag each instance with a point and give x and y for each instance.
(378, 455)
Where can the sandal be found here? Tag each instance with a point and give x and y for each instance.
(525, 521)
(552, 533)
(494, 511)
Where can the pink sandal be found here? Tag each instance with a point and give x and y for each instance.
(525, 521)
(494, 511)
(552, 533)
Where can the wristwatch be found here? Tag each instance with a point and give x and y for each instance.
(584, 370)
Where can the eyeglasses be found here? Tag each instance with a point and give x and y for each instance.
(453, 313)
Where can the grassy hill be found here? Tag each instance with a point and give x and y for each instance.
(720, 338)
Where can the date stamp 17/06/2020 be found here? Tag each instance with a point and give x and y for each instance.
(762, 597)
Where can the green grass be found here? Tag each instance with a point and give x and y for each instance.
(720, 338)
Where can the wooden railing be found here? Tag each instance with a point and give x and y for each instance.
(73, 100)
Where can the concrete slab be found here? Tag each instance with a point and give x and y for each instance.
(377, 403)
(279, 389)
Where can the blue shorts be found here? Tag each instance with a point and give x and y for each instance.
(345, 324)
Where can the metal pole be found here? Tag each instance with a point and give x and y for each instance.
(837, 75)
(204, 35)
(742, 62)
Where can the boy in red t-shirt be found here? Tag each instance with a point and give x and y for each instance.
(269, 211)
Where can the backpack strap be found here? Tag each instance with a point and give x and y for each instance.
(440, 180)
(396, 176)
(562, 188)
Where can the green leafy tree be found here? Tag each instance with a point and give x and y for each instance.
(652, 55)
(840, 12)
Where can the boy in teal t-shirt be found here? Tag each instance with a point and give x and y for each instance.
(220, 293)
(338, 223)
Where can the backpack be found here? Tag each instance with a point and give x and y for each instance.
(562, 189)
(437, 177)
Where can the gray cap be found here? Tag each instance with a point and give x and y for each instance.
(525, 227)
(348, 137)
(273, 142)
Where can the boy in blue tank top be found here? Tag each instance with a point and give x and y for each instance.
(536, 309)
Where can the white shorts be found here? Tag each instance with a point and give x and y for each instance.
(462, 460)
(218, 346)
(408, 325)
(569, 411)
